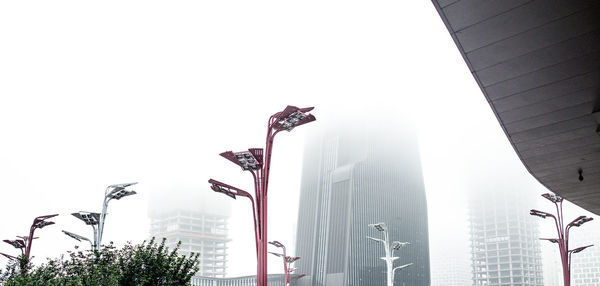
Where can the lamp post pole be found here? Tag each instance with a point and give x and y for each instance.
(389, 252)
(563, 234)
(259, 165)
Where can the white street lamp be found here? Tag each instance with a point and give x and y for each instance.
(96, 220)
(389, 251)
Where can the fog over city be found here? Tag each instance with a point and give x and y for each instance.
(93, 94)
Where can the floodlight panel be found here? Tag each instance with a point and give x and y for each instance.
(44, 223)
(119, 193)
(580, 249)
(276, 243)
(379, 226)
(553, 198)
(17, 243)
(88, 217)
(247, 161)
(553, 240)
(223, 190)
(287, 112)
(292, 117)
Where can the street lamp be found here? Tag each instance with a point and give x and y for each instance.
(389, 251)
(96, 220)
(25, 242)
(257, 161)
(563, 233)
(287, 262)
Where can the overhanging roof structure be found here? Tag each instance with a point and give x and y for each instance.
(538, 65)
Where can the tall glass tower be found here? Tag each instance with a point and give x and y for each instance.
(355, 173)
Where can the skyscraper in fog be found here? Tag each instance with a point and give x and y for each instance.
(356, 173)
(450, 268)
(585, 265)
(199, 221)
(505, 248)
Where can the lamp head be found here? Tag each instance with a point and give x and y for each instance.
(538, 213)
(292, 117)
(397, 245)
(88, 217)
(119, 191)
(379, 226)
(553, 240)
(16, 243)
(291, 259)
(247, 160)
(221, 188)
(581, 220)
(276, 243)
(43, 224)
(553, 198)
(580, 249)
(40, 221)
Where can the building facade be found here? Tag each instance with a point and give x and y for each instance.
(199, 222)
(272, 280)
(450, 269)
(585, 265)
(357, 173)
(505, 246)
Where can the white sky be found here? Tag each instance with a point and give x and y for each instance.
(96, 93)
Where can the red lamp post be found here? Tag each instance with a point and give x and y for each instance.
(25, 242)
(287, 262)
(563, 234)
(259, 164)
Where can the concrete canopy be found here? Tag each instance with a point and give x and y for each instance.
(538, 65)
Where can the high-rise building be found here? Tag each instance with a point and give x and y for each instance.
(355, 173)
(450, 268)
(197, 220)
(585, 265)
(551, 261)
(505, 247)
(272, 280)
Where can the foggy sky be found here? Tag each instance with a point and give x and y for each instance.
(93, 94)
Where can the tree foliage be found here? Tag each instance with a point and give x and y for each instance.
(133, 265)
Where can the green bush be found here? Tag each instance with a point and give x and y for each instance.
(133, 265)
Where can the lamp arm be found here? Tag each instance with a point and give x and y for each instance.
(375, 239)
(401, 267)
